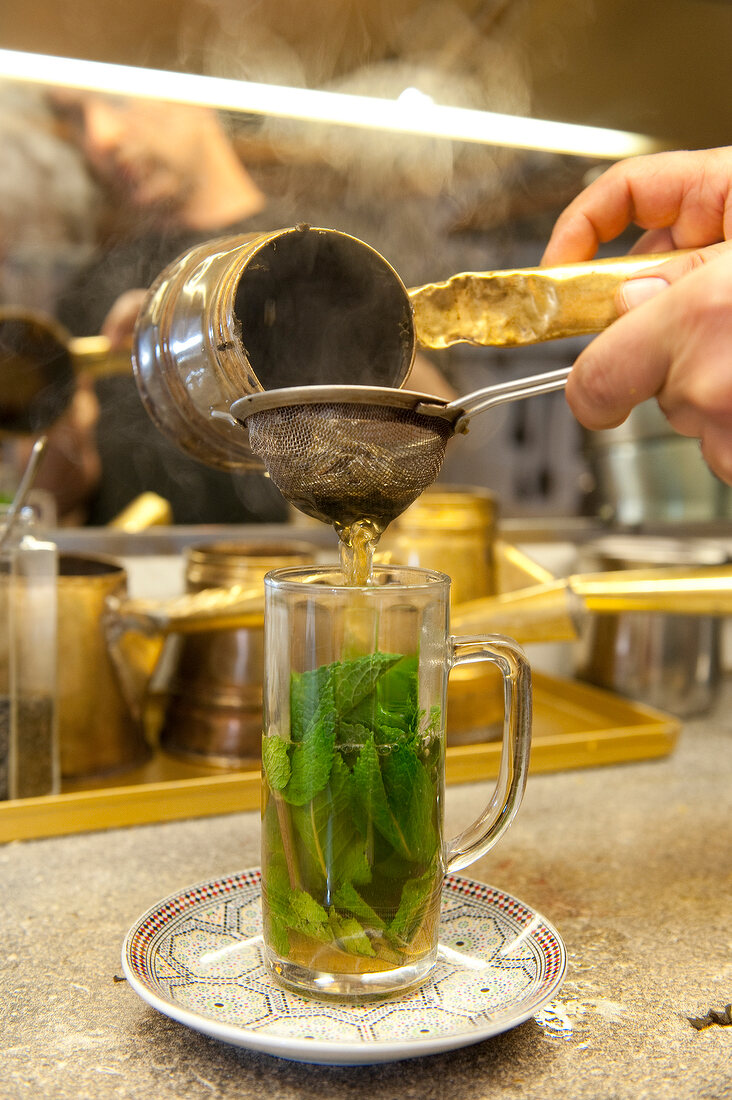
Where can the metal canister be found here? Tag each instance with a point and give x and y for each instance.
(672, 662)
(452, 529)
(213, 690)
(236, 315)
(646, 473)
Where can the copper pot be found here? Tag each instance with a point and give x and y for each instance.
(213, 697)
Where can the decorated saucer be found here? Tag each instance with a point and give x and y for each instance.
(196, 957)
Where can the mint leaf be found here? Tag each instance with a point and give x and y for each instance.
(306, 689)
(312, 758)
(355, 680)
(352, 735)
(417, 897)
(276, 903)
(307, 915)
(371, 802)
(347, 897)
(412, 794)
(350, 936)
(391, 710)
(275, 761)
(331, 850)
(398, 687)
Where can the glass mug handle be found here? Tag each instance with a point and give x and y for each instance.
(479, 837)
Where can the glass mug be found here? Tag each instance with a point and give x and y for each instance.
(353, 774)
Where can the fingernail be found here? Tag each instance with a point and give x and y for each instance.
(636, 291)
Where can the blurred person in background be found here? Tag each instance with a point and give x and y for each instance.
(49, 204)
(173, 179)
(49, 210)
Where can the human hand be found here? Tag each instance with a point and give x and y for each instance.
(674, 332)
(681, 200)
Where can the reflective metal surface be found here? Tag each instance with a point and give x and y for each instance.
(239, 314)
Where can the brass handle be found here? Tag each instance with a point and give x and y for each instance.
(146, 510)
(554, 611)
(94, 355)
(706, 590)
(135, 629)
(225, 608)
(523, 305)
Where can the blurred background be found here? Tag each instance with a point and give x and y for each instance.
(432, 206)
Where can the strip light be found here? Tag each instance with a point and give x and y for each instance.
(409, 114)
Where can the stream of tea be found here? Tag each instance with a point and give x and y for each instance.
(358, 542)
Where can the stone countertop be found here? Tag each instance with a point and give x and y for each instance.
(632, 863)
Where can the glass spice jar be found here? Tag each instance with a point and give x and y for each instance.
(29, 758)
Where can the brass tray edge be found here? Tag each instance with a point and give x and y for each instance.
(648, 734)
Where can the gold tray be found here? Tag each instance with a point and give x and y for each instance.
(575, 726)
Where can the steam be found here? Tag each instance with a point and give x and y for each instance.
(48, 203)
(403, 194)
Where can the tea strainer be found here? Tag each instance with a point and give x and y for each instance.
(348, 453)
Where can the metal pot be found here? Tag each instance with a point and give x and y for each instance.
(645, 472)
(292, 307)
(669, 661)
(39, 362)
(648, 627)
(213, 695)
(191, 665)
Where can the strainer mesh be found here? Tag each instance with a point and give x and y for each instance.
(340, 462)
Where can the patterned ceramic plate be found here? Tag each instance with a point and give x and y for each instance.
(196, 958)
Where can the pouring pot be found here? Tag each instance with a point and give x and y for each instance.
(213, 696)
(98, 734)
(308, 306)
(649, 628)
(198, 658)
(39, 362)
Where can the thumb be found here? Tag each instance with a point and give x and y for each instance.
(652, 281)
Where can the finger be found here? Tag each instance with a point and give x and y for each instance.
(639, 289)
(716, 449)
(675, 346)
(623, 366)
(653, 240)
(687, 193)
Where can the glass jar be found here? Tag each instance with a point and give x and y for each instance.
(29, 758)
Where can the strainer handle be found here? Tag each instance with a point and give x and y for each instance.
(462, 408)
(479, 837)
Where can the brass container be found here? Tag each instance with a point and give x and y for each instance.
(97, 733)
(213, 692)
(453, 529)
